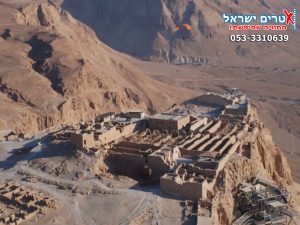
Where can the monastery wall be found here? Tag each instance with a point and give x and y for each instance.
(158, 165)
(126, 164)
(136, 145)
(188, 190)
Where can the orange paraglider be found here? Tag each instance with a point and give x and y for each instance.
(187, 26)
(183, 26)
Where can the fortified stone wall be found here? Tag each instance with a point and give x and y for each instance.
(85, 140)
(189, 190)
(214, 100)
(119, 132)
(130, 151)
(167, 124)
(126, 164)
(158, 165)
(158, 124)
(140, 146)
(236, 111)
(109, 136)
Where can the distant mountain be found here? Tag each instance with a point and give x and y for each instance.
(147, 29)
(54, 70)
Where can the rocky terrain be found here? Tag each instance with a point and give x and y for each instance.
(268, 72)
(42, 85)
(147, 29)
(86, 192)
(264, 159)
(54, 70)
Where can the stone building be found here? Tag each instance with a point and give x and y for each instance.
(104, 133)
(105, 117)
(163, 159)
(186, 152)
(165, 121)
(135, 114)
(131, 158)
(83, 140)
(186, 181)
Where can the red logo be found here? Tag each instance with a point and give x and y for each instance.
(289, 17)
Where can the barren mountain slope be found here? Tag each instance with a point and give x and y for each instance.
(264, 159)
(146, 29)
(55, 70)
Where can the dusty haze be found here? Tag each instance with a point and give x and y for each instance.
(119, 55)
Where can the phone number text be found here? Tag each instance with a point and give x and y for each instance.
(259, 38)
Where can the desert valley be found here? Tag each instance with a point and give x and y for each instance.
(110, 116)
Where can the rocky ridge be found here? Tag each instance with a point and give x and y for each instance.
(55, 71)
(260, 158)
(153, 30)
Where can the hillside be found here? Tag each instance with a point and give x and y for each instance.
(266, 160)
(147, 29)
(54, 70)
(87, 187)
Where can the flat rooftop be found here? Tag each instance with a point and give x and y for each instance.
(168, 116)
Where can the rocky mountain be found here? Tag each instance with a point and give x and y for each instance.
(54, 70)
(267, 161)
(154, 30)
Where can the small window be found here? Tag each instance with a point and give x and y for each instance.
(84, 142)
